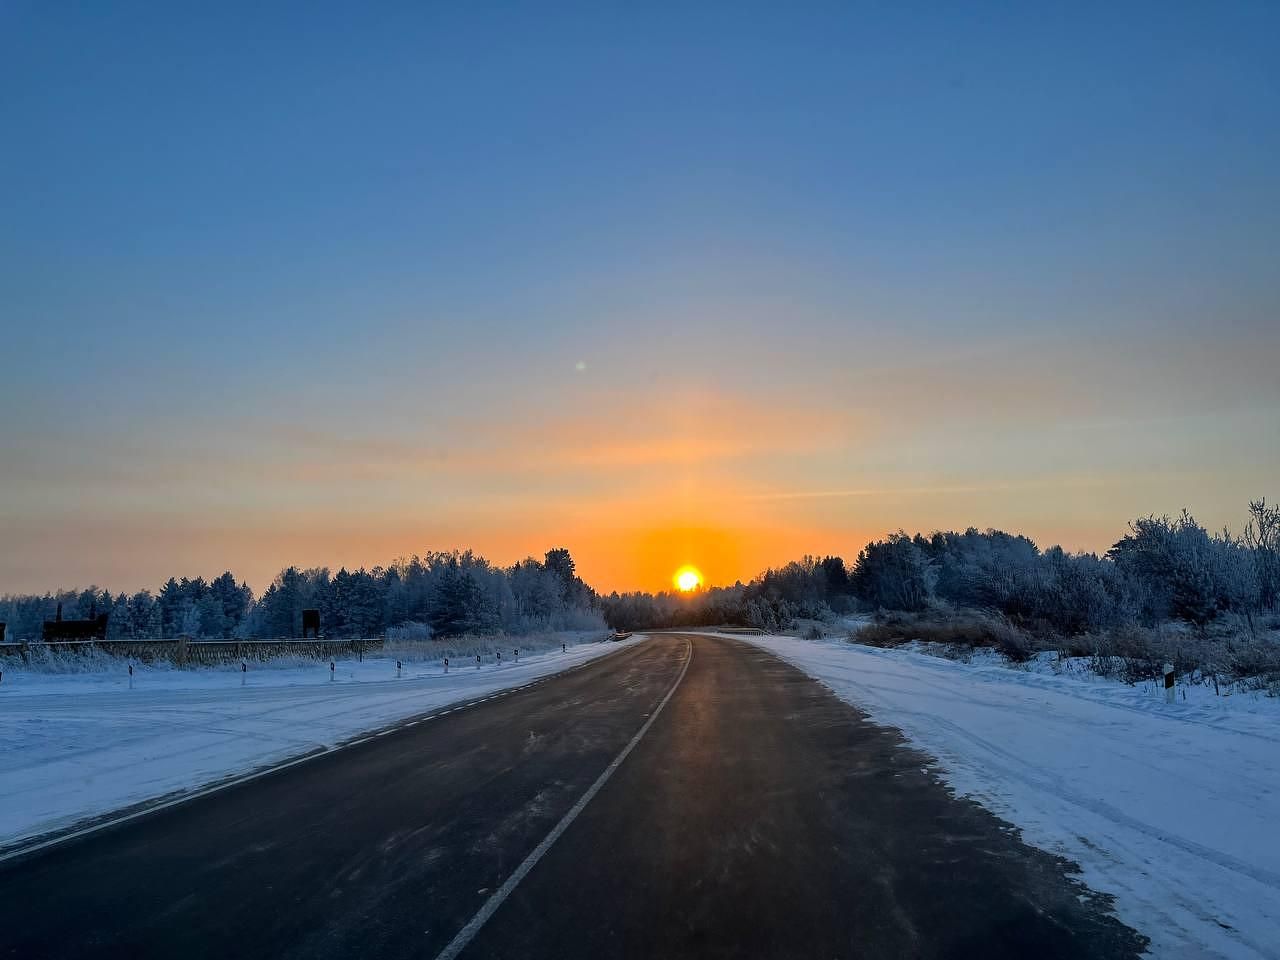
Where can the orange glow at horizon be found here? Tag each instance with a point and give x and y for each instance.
(628, 487)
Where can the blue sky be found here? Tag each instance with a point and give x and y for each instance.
(317, 282)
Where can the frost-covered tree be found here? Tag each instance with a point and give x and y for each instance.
(1187, 573)
(560, 563)
(120, 625)
(145, 615)
(232, 603)
(1262, 537)
(460, 604)
(892, 573)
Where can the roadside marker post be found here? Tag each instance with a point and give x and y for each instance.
(517, 652)
(331, 671)
(399, 665)
(499, 658)
(477, 661)
(1168, 683)
(131, 676)
(244, 673)
(446, 664)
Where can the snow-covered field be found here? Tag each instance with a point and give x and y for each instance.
(74, 746)
(1172, 808)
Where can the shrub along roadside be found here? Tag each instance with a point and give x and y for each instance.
(1230, 655)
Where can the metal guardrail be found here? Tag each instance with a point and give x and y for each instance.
(183, 650)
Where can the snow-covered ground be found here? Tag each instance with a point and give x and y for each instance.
(1172, 808)
(74, 746)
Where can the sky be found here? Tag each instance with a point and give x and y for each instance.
(662, 284)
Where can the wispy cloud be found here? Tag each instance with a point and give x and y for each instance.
(924, 491)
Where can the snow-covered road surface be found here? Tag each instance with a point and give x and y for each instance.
(1173, 809)
(75, 746)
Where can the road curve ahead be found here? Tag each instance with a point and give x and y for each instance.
(686, 797)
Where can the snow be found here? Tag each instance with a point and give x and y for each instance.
(76, 746)
(1172, 808)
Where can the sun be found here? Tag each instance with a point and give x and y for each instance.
(687, 579)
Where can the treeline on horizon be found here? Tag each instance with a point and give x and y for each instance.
(1162, 569)
(442, 594)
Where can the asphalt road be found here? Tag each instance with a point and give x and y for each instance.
(686, 797)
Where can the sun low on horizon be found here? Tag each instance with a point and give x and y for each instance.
(687, 579)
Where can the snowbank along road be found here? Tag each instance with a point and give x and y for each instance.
(691, 796)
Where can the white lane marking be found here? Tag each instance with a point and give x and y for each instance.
(22, 850)
(467, 933)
